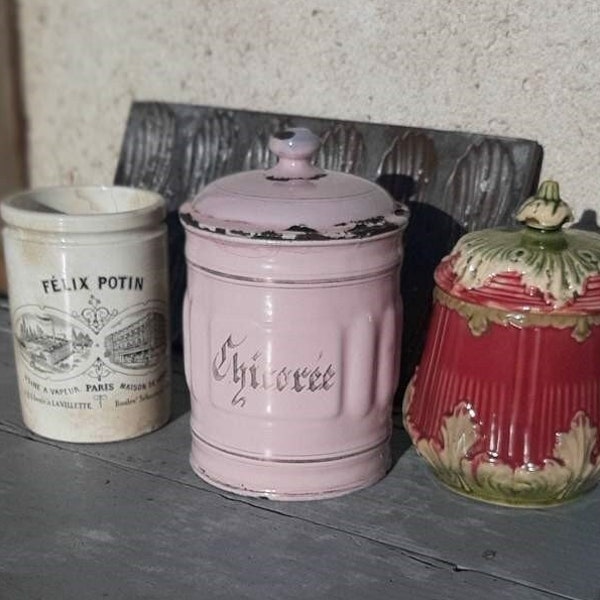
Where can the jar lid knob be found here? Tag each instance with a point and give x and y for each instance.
(546, 210)
(295, 148)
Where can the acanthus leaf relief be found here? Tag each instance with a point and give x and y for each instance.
(573, 468)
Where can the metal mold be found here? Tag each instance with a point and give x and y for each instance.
(453, 182)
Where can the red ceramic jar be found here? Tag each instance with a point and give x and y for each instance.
(505, 404)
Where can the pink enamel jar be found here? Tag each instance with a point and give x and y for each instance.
(505, 405)
(292, 326)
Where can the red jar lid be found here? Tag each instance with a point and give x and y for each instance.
(538, 268)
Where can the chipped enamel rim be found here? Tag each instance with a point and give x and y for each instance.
(352, 230)
(294, 201)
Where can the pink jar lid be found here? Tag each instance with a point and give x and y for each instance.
(295, 200)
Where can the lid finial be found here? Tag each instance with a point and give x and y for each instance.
(295, 148)
(546, 210)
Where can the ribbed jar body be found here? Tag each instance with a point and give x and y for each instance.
(505, 404)
(291, 356)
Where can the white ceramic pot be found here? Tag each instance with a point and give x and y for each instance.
(88, 293)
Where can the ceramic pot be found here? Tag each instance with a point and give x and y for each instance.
(292, 324)
(88, 292)
(505, 405)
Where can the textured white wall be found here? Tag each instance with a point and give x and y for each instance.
(521, 68)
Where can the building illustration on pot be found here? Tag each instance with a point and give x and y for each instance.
(51, 344)
(138, 344)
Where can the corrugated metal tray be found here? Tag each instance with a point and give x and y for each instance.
(452, 181)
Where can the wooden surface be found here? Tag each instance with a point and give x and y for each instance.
(130, 520)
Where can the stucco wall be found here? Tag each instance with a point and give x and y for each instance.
(522, 68)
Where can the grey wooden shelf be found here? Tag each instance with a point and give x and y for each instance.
(130, 520)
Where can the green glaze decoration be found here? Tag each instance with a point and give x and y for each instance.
(554, 261)
(479, 317)
(571, 470)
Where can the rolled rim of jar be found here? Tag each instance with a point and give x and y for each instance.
(83, 209)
